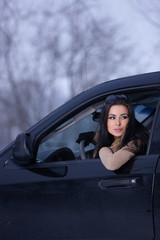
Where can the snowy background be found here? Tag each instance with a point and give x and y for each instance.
(54, 49)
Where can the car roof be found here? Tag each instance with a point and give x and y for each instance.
(147, 80)
(130, 82)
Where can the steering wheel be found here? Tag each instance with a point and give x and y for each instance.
(81, 149)
(84, 139)
(82, 146)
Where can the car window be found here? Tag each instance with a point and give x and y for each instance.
(65, 136)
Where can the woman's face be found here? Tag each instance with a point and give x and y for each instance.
(117, 120)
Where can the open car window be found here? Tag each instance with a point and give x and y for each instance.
(61, 144)
(66, 135)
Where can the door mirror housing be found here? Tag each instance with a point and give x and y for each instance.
(22, 151)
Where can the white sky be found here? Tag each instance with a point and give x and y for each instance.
(141, 32)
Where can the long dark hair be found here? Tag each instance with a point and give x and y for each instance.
(135, 131)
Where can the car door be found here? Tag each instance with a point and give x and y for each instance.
(79, 199)
(84, 201)
(155, 149)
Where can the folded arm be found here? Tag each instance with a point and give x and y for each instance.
(113, 161)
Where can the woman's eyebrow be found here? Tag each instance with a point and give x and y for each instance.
(115, 114)
(111, 114)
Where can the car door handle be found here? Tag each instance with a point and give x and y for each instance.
(119, 183)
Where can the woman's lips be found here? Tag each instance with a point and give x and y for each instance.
(118, 129)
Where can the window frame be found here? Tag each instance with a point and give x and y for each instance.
(93, 107)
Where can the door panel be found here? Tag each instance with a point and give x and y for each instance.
(157, 202)
(76, 206)
(155, 148)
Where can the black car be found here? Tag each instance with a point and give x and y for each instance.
(52, 188)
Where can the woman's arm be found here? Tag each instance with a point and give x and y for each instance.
(113, 161)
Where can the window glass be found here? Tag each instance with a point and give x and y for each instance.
(66, 135)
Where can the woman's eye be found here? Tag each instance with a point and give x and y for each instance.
(124, 117)
(111, 117)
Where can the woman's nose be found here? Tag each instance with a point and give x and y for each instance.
(118, 122)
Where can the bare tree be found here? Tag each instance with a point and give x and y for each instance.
(91, 51)
(23, 92)
(62, 43)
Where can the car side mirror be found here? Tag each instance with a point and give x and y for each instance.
(21, 151)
